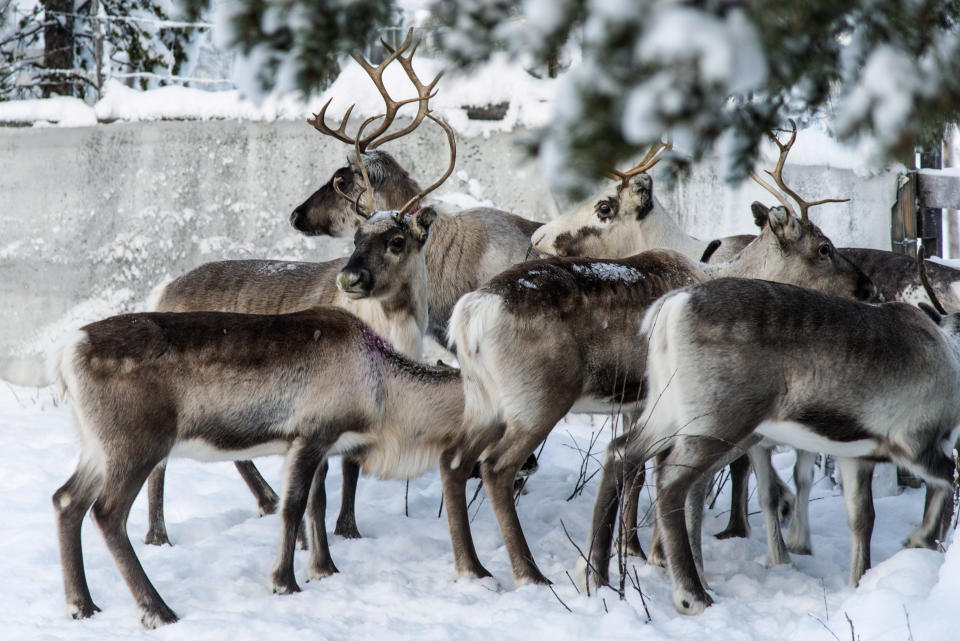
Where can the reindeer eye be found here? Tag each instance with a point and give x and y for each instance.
(825, 250)
(396, 244)
(604, 210)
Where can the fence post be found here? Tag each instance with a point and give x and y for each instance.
(931, 219)
(903, 217)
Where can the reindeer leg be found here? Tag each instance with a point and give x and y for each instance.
(320, 564)
(455, 469)
(617, 467)
(629, 541)
(157, 529)
(677, 470)
(937, 512)
(657, 555)
(798, 538)
(499, 473)
(110, 512)
(71, 503)
(769, 499)
(300, 466)
(267, 499)
(857, 476)
(347, 520)
(738, 526)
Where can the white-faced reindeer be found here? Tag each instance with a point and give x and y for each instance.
(384, 282)
(735, 357)
(558, 334)
(465, 250)
(223, 386)
(616, 223)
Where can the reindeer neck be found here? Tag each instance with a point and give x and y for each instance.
(746, 264)
(422, 416)
(394, 191)
(662, 231)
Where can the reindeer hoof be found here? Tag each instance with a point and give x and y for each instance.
(690, 603)
(795, 547)
(347, 529)
(322, 571)
(268, 506)
(282, 583)
(82, 610)
(152, 618)
(531, 578)
(733, 532)
(157, 537)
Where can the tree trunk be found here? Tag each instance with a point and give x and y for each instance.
(58, 48)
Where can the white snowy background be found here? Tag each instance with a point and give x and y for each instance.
(397, 582)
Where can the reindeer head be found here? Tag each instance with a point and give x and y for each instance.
(326, 213)
(388, 246)
(389, 184)
(388, 249)
(614, 223)
(789, 250)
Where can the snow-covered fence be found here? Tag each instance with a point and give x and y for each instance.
(46, 48)
(92, 218)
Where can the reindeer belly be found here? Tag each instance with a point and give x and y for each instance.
(201, 449)
(808, 438)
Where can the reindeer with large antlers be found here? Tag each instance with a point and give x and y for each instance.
(384, 282)
(466, 249)
(560, 334)
(618, 222)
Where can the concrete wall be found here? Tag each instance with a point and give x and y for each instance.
(91, 219)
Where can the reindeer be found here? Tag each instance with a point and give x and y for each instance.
(733, 358)
(556, 335)
(467, 249)
(225, 386)
(616, 223)
(384, 283)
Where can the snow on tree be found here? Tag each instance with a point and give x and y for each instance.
(710, 74)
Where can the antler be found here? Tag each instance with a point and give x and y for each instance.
(392, 106)
(652, 157)
(453, 159)
(922, 268)
(367, 189)
(424, 91)
(777, 175)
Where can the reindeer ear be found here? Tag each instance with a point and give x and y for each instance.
(785, 226)
(641, 184)
(641, 187)
(420, 222)
(760, 213)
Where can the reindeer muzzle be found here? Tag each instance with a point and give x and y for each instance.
(355, 283)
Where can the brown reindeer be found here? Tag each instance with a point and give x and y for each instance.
(224, 386)
(732, 358)
(466, 249)
(558, 334)
(384, 282)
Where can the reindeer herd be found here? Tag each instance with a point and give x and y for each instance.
(781, 339)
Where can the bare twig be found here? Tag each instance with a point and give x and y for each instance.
(559, 599)
(909, 629)
(825, 626)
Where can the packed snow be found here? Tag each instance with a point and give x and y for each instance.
(397, 581)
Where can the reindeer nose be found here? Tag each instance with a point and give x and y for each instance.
(298, 217)
(354, 282)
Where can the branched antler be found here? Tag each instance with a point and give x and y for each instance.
(651, 158)
(453, 160)
(424, 93)
(777, 175)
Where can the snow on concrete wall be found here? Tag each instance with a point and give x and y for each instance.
(93, 218)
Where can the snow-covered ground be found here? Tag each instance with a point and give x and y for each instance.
(397, 582)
